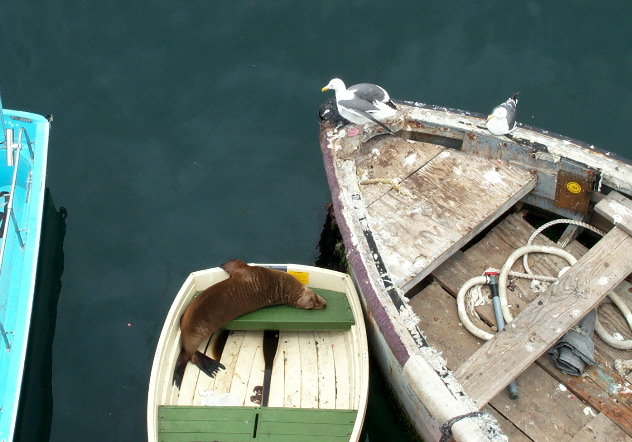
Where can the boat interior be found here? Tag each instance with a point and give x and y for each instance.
(443, 209)
(16, 169)
(311, 361)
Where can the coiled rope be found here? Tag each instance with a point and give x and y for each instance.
(505, 272)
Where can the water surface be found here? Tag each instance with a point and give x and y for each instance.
(186, 134)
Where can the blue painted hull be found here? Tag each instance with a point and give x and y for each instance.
(20, 232)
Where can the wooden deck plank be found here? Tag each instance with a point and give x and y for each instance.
(292, 358)
(194, 423)
(601, 429)
(529, 415)
(492, 252)
(508, 428)
(601, 388)
(305, 424)
(326, 376)
(545, 321)
(206, 384)
(343, 372)
(239, 423)
(229, 359)
(254, 388)
(250, 351)
(417, 232)
(309, 366)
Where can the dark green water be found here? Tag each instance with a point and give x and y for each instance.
(186, 134)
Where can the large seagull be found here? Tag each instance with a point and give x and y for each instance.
(362, 103)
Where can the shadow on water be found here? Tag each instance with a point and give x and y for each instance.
(36, 404)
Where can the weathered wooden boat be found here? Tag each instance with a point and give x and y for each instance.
(24, 141)
(316, 363)
(426, 212)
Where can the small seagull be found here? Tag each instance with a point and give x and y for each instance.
(502, 120)
(362, 103)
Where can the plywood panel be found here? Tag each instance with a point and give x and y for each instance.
(384, 159)
(438, 213)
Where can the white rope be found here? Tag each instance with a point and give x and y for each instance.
(505, 272)
(553, 223)
(599, 329)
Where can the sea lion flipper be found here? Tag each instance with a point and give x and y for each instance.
(234, 266)
(181, 364)
(208, 365)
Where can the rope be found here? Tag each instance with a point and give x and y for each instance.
(553, 223)
(506, 271)
(446, 429)
(599, 329)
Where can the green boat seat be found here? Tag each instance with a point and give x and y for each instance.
(336, 316)
(200, 423)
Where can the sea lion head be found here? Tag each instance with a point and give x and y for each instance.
(308, 300)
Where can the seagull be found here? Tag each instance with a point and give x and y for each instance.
(362, 103)
(502, 120)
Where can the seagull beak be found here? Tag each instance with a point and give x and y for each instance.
(325, 89)
(490, 116)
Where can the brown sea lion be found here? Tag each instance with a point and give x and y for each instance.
(248, 288)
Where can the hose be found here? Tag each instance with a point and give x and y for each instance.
(505, 272)
(460, 303)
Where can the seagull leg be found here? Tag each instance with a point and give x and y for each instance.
(352, 132)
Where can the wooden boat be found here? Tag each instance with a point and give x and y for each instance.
(426, 210)
(318, 380)
(24, 141)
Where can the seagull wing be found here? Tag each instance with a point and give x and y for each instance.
(361, 107)
(360, 104)
(510, 106)
(372, 93)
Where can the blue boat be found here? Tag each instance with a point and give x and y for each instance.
(23, 156)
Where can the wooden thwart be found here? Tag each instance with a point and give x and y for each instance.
(336, 316)
(617, 209)
(547, 318)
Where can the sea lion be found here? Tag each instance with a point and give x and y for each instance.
(248, 288)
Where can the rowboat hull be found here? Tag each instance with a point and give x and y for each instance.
(410, 207)
(319, 377)
(23, 159)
